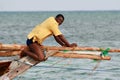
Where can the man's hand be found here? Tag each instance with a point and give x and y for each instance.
(73, 45)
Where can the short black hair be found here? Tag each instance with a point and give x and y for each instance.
(60, 15)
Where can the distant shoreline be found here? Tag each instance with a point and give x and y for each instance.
(69, 11)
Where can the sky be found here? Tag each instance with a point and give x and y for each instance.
(58, 5)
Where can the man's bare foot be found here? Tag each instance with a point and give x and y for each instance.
(22, 54)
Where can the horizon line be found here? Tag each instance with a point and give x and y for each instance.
(51, 10)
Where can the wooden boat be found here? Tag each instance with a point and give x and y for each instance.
(17, 67)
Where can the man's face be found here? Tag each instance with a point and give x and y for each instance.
(59, 20)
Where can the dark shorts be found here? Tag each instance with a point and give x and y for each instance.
(29, 41)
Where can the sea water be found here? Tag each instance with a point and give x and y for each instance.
(86, 28)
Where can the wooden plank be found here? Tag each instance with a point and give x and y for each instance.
(19, 47)
(79, 56)
(11, 47)
(9, 53)
(74, 54)
(82, 52)
(14, 53)
(78, 48)
(20, 66)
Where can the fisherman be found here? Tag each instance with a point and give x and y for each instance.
(36, 37)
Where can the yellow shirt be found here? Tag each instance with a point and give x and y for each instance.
(42, 31)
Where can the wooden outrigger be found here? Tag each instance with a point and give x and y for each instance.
(17, 67)
(17, 47)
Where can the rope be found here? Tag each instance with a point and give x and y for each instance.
(64, 58)
(95, 67)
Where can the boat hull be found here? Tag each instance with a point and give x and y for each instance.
(4, 66)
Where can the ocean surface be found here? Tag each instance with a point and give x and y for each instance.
(86, 28)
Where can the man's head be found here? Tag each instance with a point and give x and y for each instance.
(59, 18)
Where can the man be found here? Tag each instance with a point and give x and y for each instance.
(41, 32)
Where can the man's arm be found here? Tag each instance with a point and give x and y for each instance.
(63, 41)
(59, 40)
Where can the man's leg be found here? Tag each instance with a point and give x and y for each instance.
(35, 52)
